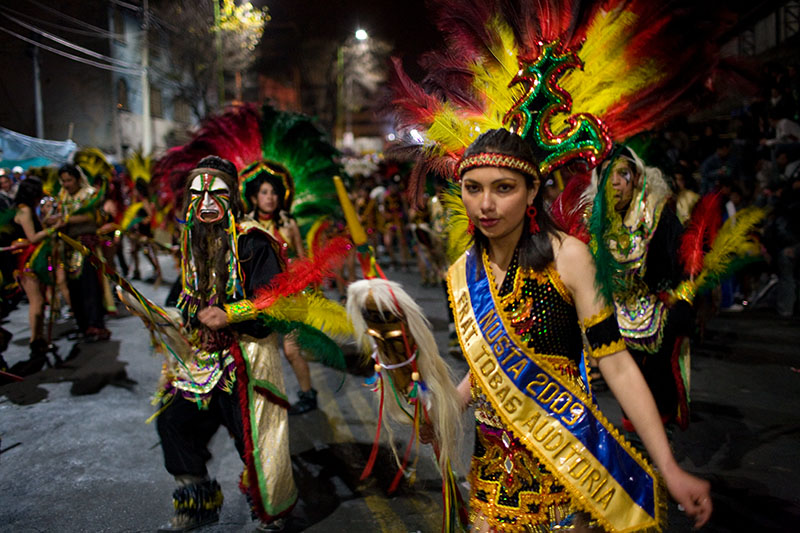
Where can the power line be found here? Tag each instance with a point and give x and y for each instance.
(132, 7)
(68, 44)
(88, 33)
(79, 22)
(71, 56)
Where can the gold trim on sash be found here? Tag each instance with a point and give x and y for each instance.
(585, 477)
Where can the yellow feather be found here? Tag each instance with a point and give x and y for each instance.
(451, 131)
(492, 79)
(139, 167)
(733, 241)
(458, 238)
(608, 76)
(130, 214)
(49, 177)
(316, 311)
(94, 163)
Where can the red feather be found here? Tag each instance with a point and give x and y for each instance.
(302, 274)
(568, 208)
(700, 233)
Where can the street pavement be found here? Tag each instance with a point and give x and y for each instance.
(77, 455)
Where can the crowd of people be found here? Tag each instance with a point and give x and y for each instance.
(409, 233)
(559, 282)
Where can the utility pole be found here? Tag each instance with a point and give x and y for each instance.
(147, 141)
(37, 94)
(339, 129)
(218, 38)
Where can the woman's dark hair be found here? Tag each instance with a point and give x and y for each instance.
(70, 169)
(29, 192)
(252, 188)
(535, 250)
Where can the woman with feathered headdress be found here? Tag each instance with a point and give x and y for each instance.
(521, 90)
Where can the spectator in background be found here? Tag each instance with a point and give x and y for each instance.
(782, 239)
(786, 131)
(6, 186)
(780, 101)
(685, 195)
(722, 164)
(17, 174)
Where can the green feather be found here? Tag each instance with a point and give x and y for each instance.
(316, 346)
(40, 264)
(297, 143)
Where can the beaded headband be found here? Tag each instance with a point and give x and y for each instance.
(488, 159)
(211, 172)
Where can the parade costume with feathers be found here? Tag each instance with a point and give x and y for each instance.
(636, 253)
(259, 301)
(572, 79)
(643, 259)
(86, 285)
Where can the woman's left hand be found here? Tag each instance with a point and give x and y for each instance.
(213, 317)
(692, 494)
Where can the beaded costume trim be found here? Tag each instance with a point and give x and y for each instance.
(487, 159)
(240, 311)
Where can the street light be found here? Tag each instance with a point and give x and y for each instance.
(362, 35)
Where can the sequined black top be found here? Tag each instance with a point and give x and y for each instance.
(542, 313)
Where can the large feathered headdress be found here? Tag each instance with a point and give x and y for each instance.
(570, 77)
(259, 142)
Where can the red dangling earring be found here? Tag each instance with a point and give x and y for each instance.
(534, 226)
(471, 227)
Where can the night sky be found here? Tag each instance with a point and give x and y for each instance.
(405, 24)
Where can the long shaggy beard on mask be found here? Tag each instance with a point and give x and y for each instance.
(210, 249)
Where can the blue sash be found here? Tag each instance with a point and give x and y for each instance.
(551, 416)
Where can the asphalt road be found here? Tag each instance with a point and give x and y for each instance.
(76, 454)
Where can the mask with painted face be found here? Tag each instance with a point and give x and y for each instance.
(210, 195)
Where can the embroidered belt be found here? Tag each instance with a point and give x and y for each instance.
(551, 416)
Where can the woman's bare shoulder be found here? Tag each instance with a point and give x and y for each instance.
(567, 248)
(573, 261)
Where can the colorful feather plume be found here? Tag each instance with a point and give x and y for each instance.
(139, 167)
(458, 236)
(95, 165)
(131, 216)
(303, 274)
(630, 64)
(316, 345)
(700, 233)
(245, 134)
(733, 245)
(49, 177)
(316, 234)
(569, 207)
(315, 310)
